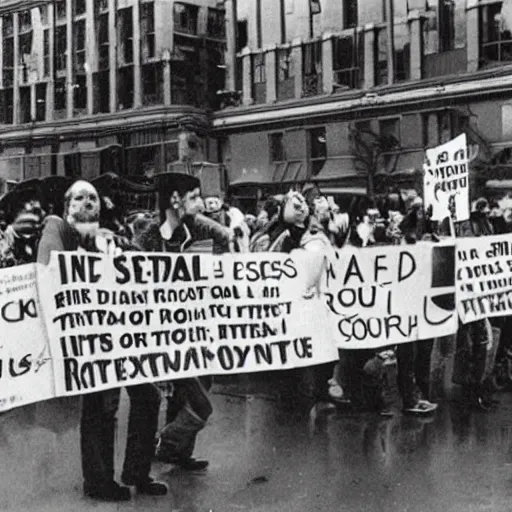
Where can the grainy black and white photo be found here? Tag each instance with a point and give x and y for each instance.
(256, 255)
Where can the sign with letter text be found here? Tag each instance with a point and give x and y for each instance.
(387, 295)
(446, 180)
(26, 371)
(146, 317)
(484, 277)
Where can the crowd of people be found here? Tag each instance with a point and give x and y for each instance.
(188, 222)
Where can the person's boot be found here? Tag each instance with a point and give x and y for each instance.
(177, 441)
(110, 491)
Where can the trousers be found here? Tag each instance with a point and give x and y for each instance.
(97, 434)
(188, 410)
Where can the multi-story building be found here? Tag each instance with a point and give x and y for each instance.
(337, 90)
(89, 86)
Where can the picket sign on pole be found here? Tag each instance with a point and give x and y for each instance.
(446, 181)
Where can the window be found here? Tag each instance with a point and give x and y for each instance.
(258, 68)
(350, 13)
(6, 106)
(43, 12)
(79, 52)
(317, 149)
(60, 9)
(24, 21)
(24, 105)
(40, 102)
(100, 6)
(60, 47)
(445, 26)
(285, 64)
(125, 28)
(440, 127)
(147, 30)
(60, 94)
(345, 56)
(125, 87)
(390, 128)
(277, 151)
(79, 7)
(101, 84)
(381, 74)
(8, 52)
(152, 84)
(185, 17)
(402, 53)
(242, 37)
(80, 93)
(46, 52)
(216, 23)
(495, 33)
(103, 42)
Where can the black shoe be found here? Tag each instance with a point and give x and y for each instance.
(152, 488)
(187, 463)
(108, 492)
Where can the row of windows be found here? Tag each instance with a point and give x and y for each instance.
(437, 128)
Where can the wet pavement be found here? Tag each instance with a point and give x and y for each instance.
(264, 458)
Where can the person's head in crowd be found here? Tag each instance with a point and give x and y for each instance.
(179, 195)
(82, 204)
(481, 207)
(27, 211)
(294, 210)
(111, 218)
(269, 211)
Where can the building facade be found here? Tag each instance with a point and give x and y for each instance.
(337, 90)
(91, 86)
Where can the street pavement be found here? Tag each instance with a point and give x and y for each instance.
(265, 458)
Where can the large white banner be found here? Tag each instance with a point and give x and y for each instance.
(386, 295)
(26, 371)
(145, 317)
(446, 180)
(484, 277)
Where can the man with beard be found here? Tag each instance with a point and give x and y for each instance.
(181, 224)
(80, 229)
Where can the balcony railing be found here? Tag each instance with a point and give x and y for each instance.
(311, 85)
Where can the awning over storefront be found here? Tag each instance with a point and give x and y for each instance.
(252, 176)
(335, 169)
(289, 172)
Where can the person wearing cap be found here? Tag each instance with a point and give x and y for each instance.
(80, 229)
(180, 225)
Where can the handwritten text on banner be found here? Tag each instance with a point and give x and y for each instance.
(149, 317)
(394, 294)
(26, 371)
(484, 277)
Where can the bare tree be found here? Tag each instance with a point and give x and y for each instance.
(375, 155)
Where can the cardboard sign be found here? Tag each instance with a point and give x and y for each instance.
(484, 277)
(26, 371)
(387, 295)
(446, 180)
(146, 317)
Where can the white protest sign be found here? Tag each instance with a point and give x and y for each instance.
(484, 277)
(392, 294)
(26, 372)
(147, 317)
(446, 180)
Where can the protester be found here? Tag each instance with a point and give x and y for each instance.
(18, 243)
(181, 224)
(476, 334)
(80, 229)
